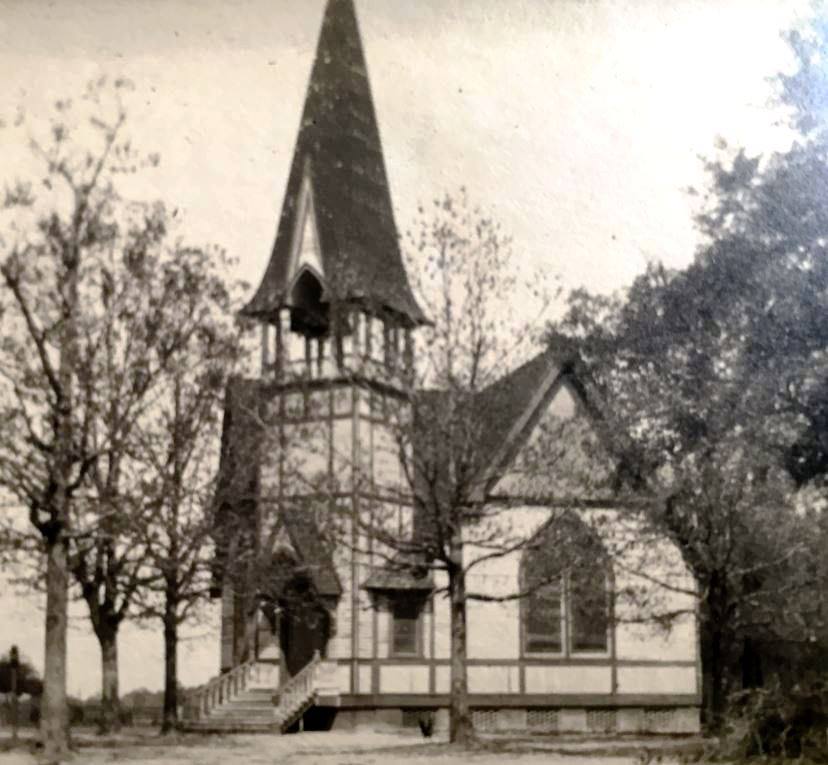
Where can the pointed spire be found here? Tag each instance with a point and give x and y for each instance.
(338, 161)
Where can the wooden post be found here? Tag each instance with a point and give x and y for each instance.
(359, 333)
(278, 348)
(345, 331)
(283, 354)
(408, 357)
(321, 365)
(309, 357)
(14, 662)
(265, 348)
(369, 337)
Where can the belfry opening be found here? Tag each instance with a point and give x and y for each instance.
(310, 313)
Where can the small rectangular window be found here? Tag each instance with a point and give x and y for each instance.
(405, 626)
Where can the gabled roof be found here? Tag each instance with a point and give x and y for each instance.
(237, 484)
(507, 411)
(314, 557)
(507, 406)
(513, 405)
(338, 156)
(500, 416)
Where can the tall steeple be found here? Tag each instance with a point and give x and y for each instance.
(337, 221)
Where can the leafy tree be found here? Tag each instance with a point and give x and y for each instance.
(713, 441)
(718, 372)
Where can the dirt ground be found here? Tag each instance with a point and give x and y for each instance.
(353, 748)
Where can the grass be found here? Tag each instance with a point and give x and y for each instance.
(363, 747)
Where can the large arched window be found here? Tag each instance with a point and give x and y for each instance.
(566, 575)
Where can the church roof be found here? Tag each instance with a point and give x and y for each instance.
(240, 443)
(506, 406)
(500, 412)
(511, 407)
(237, 484)
(338, 160)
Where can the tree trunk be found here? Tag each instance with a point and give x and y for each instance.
(110, 702)
(54, 718)
(751, 661)
(170, 719)
(460, 724)
(717, 639)
(716, 680)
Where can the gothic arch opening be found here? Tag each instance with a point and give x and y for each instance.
(310, 314)
(298, 617)
(566, 574)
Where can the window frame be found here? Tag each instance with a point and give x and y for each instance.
(563, 636)
(568, 650)
(416, 602)
(590, 653)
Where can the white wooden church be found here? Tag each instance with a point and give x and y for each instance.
(322, 639)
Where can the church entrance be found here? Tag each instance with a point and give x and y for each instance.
(302, 632)
(299, 621)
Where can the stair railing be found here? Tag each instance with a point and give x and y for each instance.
(298, 691)
(221, 689)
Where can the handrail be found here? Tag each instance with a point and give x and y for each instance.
(222, 688)
(298, 690)
(293, 696)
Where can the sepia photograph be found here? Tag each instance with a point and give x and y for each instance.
(391, 380)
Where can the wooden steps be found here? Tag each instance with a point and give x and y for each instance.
(235, 703)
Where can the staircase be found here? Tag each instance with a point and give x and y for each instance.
(237, 702)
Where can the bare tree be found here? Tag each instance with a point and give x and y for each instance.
(53, 230)
(438, 428)
(179, 450)
(133, 303)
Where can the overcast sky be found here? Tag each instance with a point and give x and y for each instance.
(580, 124)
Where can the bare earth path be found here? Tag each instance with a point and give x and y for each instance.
(354, 748)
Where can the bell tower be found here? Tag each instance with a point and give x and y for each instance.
(337, 317)
(335, 288)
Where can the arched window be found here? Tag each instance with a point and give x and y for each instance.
(310, 314)
(566, 575)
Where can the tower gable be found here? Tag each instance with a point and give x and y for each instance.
(305, 251)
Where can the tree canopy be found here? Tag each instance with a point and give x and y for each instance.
(716, 374)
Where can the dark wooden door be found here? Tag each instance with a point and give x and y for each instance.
(304, 629)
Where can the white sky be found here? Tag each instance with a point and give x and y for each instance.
(580, 124)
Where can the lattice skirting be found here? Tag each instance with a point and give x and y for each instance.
(537, 720)
(551, 720)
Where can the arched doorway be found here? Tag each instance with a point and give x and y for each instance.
(304, 624)
(298, 618)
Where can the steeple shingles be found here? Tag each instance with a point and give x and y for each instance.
(340, 151)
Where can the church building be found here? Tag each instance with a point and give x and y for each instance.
(319, 635)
